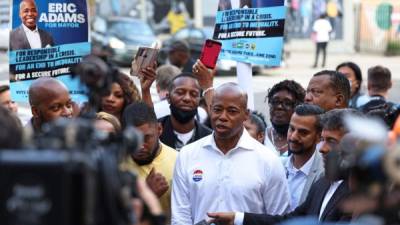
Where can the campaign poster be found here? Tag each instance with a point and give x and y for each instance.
(251, 31)
(46, 40)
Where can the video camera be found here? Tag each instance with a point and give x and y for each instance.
(69, 174)
(368, 163)
(373, 172)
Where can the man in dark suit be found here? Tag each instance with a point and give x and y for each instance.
(233, 4)
(28, 35)
(324, 196)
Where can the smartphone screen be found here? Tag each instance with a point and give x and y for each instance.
(210, 52)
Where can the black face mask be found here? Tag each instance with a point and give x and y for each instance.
(182, 116)
(281, 129)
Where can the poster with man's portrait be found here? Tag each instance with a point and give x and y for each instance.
(47, 38)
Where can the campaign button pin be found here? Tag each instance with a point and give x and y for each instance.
(197, 175)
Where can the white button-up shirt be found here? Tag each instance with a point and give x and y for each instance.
(332, 189)
(33, 37)
(297, 179)
(322, 27)
(249, 178)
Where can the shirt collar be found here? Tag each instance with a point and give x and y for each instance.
(336, 183)
(306, 168)
(26, 29)
(244, 142)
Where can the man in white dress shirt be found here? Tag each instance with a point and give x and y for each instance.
(227, 170)
(28, 35)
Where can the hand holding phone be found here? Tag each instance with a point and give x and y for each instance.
(144, 58)
(210, 52)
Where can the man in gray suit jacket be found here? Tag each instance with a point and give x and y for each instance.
(304, 166)
(28, 35)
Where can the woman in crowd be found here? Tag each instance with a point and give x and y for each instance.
(353, 72)
(123, 92)
(283, 97)
(107, 123)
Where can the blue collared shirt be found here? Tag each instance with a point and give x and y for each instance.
(297, 179)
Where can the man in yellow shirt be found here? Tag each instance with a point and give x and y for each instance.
(153, 161)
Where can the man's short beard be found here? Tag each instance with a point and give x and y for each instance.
(298, 152)
(150, 159)
(301, 150)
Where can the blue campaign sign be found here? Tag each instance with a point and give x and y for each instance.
(251, 31)
(47, 39)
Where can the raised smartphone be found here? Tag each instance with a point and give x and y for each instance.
(145, 57)
(210, 52)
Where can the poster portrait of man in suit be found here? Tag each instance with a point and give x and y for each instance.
(28, 35)
(233, 4)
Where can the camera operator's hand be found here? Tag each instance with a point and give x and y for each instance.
(149, 198)
(157, 183)
(147, 76)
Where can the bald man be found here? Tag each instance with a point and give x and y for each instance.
(49, 99)
(227, 170)
(28, 35)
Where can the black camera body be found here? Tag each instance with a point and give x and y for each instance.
(75, 181)
(47, 187)
(69, 173)
(362, 160)
(386, 110)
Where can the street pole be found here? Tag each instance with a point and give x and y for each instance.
(198, 13)
(143, 13)
(245, 81)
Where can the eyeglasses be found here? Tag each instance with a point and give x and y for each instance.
(286, 104)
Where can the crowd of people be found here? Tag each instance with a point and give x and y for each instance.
(205, 156)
